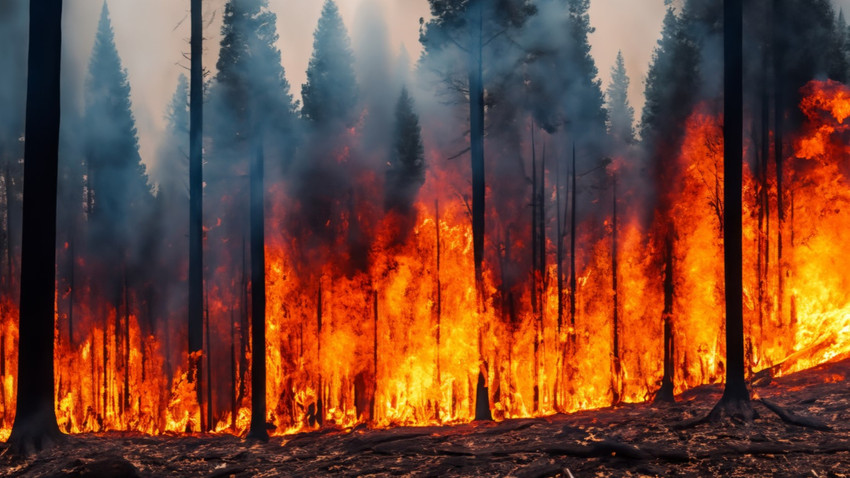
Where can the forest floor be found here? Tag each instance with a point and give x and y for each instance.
(628, 440)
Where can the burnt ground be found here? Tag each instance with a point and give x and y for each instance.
(628, 440)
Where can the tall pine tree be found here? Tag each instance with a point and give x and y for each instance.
(621, 115)
(330, 92)
(469, 43)
(255, 117)
(406, 172)
(116, 173)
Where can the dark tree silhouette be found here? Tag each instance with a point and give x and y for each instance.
(469, 26)
(621, 115)
(258, 301)
(330, 92)
(407, 158)
(736, 397)
(35, 420)
(196, 241)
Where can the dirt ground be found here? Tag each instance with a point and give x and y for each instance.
(629, 440)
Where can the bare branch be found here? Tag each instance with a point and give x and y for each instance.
(465, 150)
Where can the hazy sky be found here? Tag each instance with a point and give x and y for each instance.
(152, 39)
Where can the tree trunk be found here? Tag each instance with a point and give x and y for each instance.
(10, 256)
(476, 145)
(35, 419)
(319, 414)
(560, 246)
(573, 249)
(374, 355)
(779, 125)
(258, 299)
(736, 397)
(196, 241)
(535, 277)
(439, 307)
(616, 378)
(665, 393)
(208, 423)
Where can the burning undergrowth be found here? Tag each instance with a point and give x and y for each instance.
(592, 247)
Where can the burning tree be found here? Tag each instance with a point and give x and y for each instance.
(353, 269)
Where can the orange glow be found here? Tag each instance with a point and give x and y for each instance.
(395, 340)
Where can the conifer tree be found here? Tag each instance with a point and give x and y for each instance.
(330, 92)
(117, 175)
(462, 35)
(407, 158)
(255, 115)
(621, 115)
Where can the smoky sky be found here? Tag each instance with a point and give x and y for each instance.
(152, 39)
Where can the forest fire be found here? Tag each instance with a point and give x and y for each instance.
(398, 343)
(477, 263)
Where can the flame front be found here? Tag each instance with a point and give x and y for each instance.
(401, 341)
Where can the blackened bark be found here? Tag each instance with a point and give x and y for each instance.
(10, 257)
(573, 249)
(736, 398)
(208, 424)
(319, 413)
(476, 133)
(439, 304)
(778, 133)
(616, 380)
(35, 418)
(374, 355)
(665, 393)
(535, 272)
(560, 247)
(476, 144)
(233, 361)
(258, 299)
(126, 350)
(196, 244)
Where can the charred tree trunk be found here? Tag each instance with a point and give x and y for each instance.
(10, 256)
(616, 378)
(476, 132)
(72, 286)
(374, 355)
(763, 265)
(208, 425)
(196, 241)
(476, 145)
(10, 228)
(778, 133)
(258, 299)
(319, 413)
(126, 350)
(233, 363)
(439, 307)
(535, 278)
(35, 418)
(560, 247)
(736, 398)
(573, 250)
(244, 342)
(665, 393)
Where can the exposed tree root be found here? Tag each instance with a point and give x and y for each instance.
(31, 441)
(790, 417)
(737, 409)
(664, 395)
